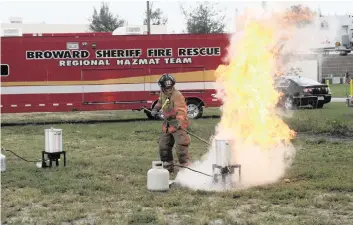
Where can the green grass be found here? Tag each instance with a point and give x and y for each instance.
(105, 178)
(334, 118)
(339, 90)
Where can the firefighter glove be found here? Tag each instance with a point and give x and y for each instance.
(154, 113)
(178, 124)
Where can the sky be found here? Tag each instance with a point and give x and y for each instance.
(79, 12)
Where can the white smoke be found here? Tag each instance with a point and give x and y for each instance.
(258, 166)
(194, 180)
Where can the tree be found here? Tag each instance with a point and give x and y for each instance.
(203, 19)
(104, 21)
(155, 17)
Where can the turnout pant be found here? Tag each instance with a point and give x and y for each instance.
(166, 143)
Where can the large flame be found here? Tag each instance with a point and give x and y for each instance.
(247, 89)
(261, 140)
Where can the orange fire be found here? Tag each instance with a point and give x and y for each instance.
(245, 84)
(248, 93)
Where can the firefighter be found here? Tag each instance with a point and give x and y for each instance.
(172, 104)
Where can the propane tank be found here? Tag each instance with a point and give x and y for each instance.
(157, 177)
(3, 163)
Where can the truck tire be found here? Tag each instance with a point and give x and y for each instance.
(320, 105)
(194, 108)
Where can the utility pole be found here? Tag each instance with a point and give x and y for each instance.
(148, 18)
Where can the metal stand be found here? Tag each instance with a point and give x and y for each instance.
(225, 172)
(53, 156)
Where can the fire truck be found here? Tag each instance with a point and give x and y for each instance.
(103, 71)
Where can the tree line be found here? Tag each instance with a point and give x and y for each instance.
(203, 19)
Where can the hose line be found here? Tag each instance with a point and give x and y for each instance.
(192, 170)
(2, 149)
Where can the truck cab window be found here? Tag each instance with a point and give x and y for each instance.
(5, 70)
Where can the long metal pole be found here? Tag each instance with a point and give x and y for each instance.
(148, 18)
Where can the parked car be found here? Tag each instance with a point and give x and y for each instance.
(301, 91)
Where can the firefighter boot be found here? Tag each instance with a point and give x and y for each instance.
(182, 166)
(169, 166)
(186, 164)
(182, 140)
(166, 142)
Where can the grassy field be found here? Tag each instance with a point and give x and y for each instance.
(105, 178)
(339, 90)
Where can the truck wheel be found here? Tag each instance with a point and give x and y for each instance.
(320, 105)
(194, 109)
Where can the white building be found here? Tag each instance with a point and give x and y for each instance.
(329, 29)
(336, 25)
(16, 26)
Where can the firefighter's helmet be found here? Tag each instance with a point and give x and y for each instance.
(166, 81)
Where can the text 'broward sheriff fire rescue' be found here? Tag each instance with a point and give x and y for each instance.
(103, 57)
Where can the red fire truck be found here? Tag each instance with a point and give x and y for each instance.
(102, 71)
